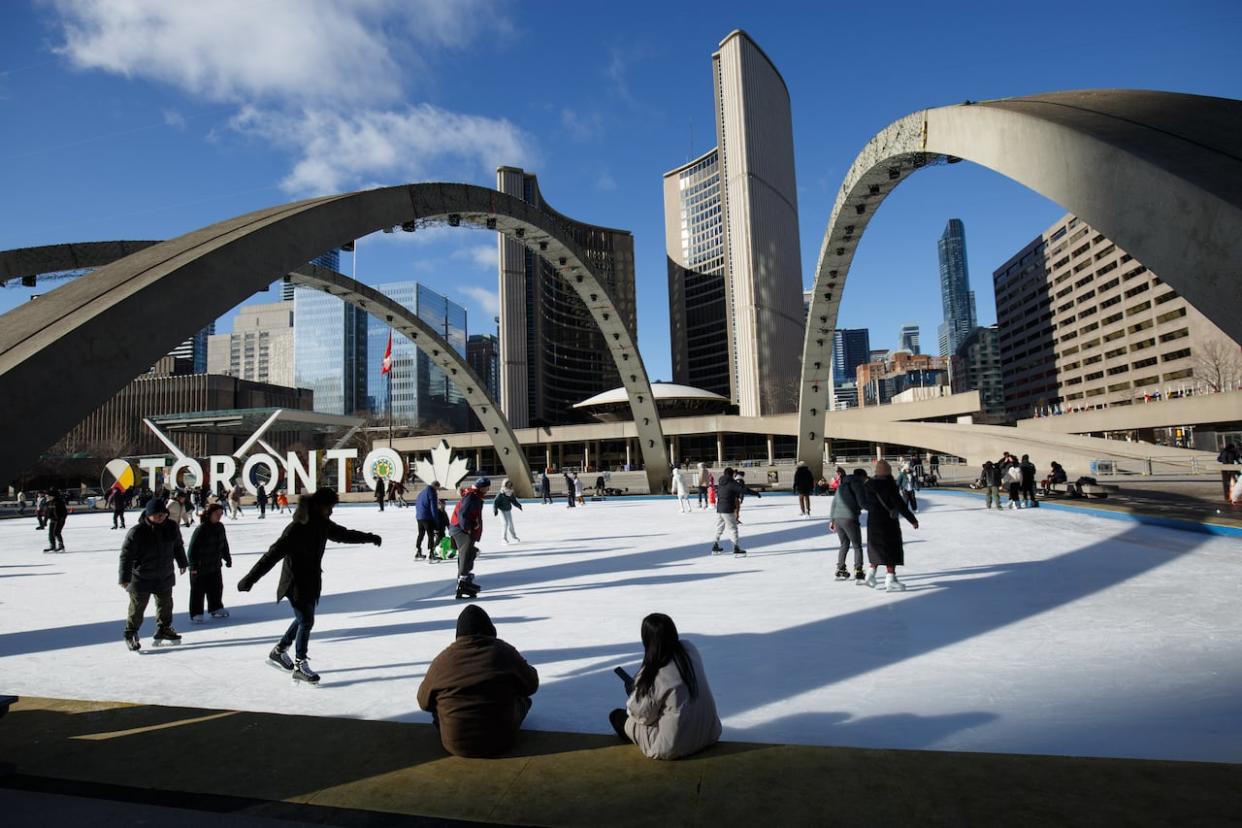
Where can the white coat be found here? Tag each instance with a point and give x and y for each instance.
(667, 723)
(679, 483)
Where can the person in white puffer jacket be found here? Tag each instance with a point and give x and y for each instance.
(1013, 481)
(670, 712)
(679, 489)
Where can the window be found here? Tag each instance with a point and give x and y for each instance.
(1137, 289)
(1143, 363)
(1167, 297)
(1181, 353)
(1152, 380)
(1172, 335)
(1116, 352)
(1130, 274)
(1120, 369)
(1142, 306)
(1142, 344)
(1176, 313)
(1120, 386)
(1108, 320)
(1176, 375)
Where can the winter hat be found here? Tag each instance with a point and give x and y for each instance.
(506, 484)
(475, 621)
(482, 483)
(155, 507)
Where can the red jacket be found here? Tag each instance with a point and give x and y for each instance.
(468, 514)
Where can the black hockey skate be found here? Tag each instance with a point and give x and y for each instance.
(131, 641)
(166, 637)
(859, 575)
(467, 588)
(716, 550)
(843, 574)
(303, 673)
(739, 552)
(279, 658)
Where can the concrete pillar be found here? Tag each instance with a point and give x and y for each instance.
(827, 451)
(719, 449)
(560, 456)
(599, 455)
(771, 449)
(672, 450)
(629, 454)
(586, 454)
(879, 451)
(547, 456)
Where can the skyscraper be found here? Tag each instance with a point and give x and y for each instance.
(851, 347)
(956, 297)
(908, 339)
(330, 351)
(259, 349)
(483, 354)
(331, 260)
(194, 349)
(552, 354)
(731, 235)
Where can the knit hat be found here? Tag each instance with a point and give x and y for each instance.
(475, 621)
(482, 482)
(155, 506)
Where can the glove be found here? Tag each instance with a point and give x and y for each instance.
(377, 540)
(229, 564)
(243, 585)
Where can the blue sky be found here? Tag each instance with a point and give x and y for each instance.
(147, 120)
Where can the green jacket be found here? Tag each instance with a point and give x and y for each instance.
(504, 503)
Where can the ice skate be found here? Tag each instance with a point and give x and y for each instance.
(891, 584)
(516, 539)
(279, 658)
(303, 673)
(166, 637)
(843, 574)
(739, 552)
(859, 576)
(418, 553)
(716, 549)
(220, 613)
(131, 641)
(197, 619)
(870, 579)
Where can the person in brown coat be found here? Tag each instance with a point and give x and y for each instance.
(478, 689)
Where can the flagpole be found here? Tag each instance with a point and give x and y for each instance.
(390, 364)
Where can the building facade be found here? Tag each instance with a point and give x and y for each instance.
(1083, 325)
(976, 366)
(330, 351)
(552, 354)
(331, 260)
(259, 349)
(194, 349)
(851, 347)
(956, 297)
(483, 355)
(908, 339)
(736, 319)
(881, 382)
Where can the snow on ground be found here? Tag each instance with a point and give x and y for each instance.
(1041, 631)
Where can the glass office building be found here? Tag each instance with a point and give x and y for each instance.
(956, 297)
(330, 351)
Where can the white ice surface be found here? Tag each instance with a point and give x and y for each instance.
(1030, 632)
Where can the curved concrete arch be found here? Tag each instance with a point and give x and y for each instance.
(1158, 173)
(126, 315)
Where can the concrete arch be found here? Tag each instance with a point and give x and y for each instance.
(126, 315)
(1159, 173)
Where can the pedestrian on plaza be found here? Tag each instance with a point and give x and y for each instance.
(57, 514)
(466, 530)
(803, 483)
(701, 484)
(260, 498)
(578, 490)
(907, 484)
(884, 543)
(1056, 475)
(990, 482)
(843, 518)
(934, 464)
(545, 488)
(1027, 469)
(379, 492)
(1013, 482)
(601, 487)
(1229, 456)
(426, 507)
(503, 505)
(569, 490)
(209, 548)
(681, 490)
(729, 493)
(118, 501)
(301, 547)
(148, 554)
(235, 499)
(478, 689)
(670, 712)
(282, 501)
(41, 511)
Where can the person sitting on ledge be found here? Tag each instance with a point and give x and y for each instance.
(670, 712)
(478, 689)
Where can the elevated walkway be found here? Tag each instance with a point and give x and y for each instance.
(353, 772)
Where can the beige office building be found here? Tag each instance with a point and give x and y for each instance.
(1083, 325)
(731, 234)
(259, 349)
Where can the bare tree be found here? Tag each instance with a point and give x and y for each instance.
(1218, 365)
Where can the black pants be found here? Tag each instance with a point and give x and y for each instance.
(380, 500)
(209, 585)
(1028, 490)
(262, 508)
(1014, 488)
(547, 495)
(430, 529)
(911, 500)
(299, 631)
(54, 528)
(118, 515)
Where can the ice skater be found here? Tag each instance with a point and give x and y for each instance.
(1013, 482)
(843, 518)
(803, 483)
(116, 499)
(466, 530)
(1027, 468)
(578, 493)
(701, 484)
(679, 489)
(301, 547)
(729, 493)
(148, 554)
(569, 490)
(57, 514)
(545, 488)
(426, 512)
(235, 498)
(209, 547)
(907, 484)
(379, 492)
(503, 505)
(884, 545)
(990, 482)
(260, 499)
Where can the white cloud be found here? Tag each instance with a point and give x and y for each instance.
(174, 119)
(484, 255)
(487, 300)
(582, 127)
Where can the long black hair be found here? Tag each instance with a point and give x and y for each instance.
(660, 646)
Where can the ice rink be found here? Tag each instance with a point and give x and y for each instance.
(1040, 631)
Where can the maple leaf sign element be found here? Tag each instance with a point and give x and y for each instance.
(445, 468)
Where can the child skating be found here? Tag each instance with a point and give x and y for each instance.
(503, 505)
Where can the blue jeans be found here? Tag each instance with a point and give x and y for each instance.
(303, 621)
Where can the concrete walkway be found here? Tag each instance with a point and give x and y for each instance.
(132, 761)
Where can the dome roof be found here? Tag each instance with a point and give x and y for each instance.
(660, 390)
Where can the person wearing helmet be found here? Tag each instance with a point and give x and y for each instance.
(466, 529)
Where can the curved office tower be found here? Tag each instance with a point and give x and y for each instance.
(552, 354)
(731, 231)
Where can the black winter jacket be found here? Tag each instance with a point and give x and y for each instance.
(1028, 473)
(209, 547)
(729, 492)
(990, 476)
(148, 554)
(301, 547)
(884, 506)
(803, 481)
(57, 509)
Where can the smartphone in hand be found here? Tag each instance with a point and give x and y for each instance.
(626, 678)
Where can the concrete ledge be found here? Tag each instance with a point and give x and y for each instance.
(345, 769)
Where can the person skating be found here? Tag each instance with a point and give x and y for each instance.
(41, 511)
(578, 493)
(990, 482)
(148, 554)
(379, 492)
(670, 712)
(260, 498)
(117, 500)
(301, 548)
(1229, 456)
(426, 506)
(1013, 483)
(282, 502)
(235, 499)
(843, 518)
(701, 484)
(209, 548)
(907, 483)
(680, 489)
(478, 689)
(569, 489)
(545, 488)
(729, 493)
(934, 465)
(57, 514)
(803, 483)
(884, 545)
(503, 505)
(466, 530)
(1027, 470)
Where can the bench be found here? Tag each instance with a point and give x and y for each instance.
(1088, 489)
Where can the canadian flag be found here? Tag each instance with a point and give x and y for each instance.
(387, 365)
